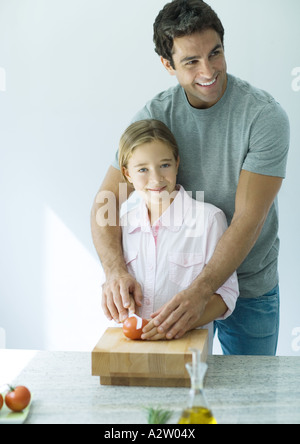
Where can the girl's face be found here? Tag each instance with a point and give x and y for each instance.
(152, 170)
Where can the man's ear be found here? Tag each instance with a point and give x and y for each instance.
(168, 66)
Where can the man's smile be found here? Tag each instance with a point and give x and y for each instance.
(208, 84)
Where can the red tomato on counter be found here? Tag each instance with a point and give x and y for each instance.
(130, 330)
(1, 401)
(17, 399)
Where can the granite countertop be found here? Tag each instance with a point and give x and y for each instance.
(238, 389)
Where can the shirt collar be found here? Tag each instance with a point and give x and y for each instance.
(172, 218)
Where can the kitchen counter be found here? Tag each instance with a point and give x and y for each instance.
(238, 389)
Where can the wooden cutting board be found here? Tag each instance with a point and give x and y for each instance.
(121, 361)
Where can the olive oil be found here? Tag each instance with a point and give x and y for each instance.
(197, 411)
(197, 415)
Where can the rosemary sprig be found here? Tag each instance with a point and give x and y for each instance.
(158, 416)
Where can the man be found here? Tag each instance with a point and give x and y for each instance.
(233, 142)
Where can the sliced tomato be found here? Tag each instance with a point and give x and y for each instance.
(130, 329)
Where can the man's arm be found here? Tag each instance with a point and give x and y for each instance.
(107, 238)
(254, 198)
(214, 309)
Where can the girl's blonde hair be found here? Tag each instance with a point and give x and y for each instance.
(144, 131)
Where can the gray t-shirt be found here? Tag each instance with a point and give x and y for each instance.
(246, 129)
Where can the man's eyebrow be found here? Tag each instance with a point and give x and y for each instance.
(218, 46)
(189, 59)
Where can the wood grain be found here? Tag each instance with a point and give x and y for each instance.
(121, 361)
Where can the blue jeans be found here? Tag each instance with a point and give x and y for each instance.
(253, 327)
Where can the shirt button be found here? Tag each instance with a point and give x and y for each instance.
(148, 302)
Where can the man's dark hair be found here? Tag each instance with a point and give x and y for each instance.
(180, 18)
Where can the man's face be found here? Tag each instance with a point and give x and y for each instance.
(200, 67)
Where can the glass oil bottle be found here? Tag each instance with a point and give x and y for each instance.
(197, 411)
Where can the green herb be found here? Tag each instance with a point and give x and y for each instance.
(158, 416)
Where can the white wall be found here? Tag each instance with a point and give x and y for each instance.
(72, 74)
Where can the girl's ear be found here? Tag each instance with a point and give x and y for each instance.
(126, 174)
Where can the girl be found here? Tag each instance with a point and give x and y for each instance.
(170, 237)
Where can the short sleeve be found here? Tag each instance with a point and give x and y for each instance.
(269, 142)
(141, 115)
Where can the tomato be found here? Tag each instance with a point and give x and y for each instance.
(17, 399)
(130, 328)
(1, 401)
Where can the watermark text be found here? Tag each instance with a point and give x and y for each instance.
(181, 209)
(296, 340)
(2, 80)
(296, 80)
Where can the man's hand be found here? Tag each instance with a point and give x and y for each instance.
(178, 316)
(120, 296)
(152, 333)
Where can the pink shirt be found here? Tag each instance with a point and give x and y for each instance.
(166, 258)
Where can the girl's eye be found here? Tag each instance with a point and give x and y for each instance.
(165, 165)
(142, 170)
